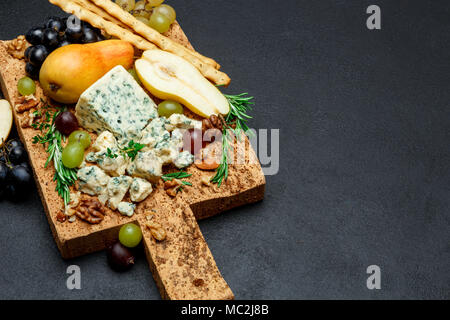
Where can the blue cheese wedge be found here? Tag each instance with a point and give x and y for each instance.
(92, 180)
(117, 188)
(126, 208)
(116, 103)
(140, 189)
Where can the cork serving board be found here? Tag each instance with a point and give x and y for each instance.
(182, 265)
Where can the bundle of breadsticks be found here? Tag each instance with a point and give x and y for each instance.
(112, 19)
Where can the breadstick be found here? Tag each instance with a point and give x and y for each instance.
(200, 62)
(100, 12)
(152, 35)
(98, 22)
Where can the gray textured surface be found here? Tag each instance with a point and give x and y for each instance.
(364, 178)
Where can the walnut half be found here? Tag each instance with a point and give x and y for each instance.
(156, 230)
(90, 210)
(16, 48)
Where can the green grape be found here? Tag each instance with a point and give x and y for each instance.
(81, 137)
(26, 86)
(159, 22)
(127, 5)
(139, 10)
(155, 3)
(73, 155)
(142, 19)
(169, 107)
(168, 11)
(135, 75)
(130, 235)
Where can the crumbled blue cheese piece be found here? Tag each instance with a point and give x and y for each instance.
(112, 166)
(117, 188)
(147, 165)
(140, 189)
(126, 208)
(104, 141)
(92, 180)
(180, 121)
(183, 160)
(154, 133)
(116, 103)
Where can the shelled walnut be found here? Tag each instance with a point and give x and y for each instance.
(156, 230)
(16, 48)
(213, 122)
(29, 117)
(172, 187)
(90, 210)
(25, 103)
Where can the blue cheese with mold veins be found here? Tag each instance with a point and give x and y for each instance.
(92, 180)
(117, 188)
(140, 189)
(126, 208)
(112, 166)
(180, 121)
(147, 165)
(116, 103)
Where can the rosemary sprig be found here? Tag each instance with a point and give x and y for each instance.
(222, 170)
(240, 104)
(178, 175)
(64, 176)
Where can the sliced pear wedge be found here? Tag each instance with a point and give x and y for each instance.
(6, 120)
(168, 76)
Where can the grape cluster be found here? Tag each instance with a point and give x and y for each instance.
(15, 172)
(55, 33)
(153, 13)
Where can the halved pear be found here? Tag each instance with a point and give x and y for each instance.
(168, 76)
(6, 120)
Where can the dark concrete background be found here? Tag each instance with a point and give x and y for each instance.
(364, 177)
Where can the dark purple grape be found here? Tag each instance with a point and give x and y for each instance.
(193, 141)
(66, 123)
(17, 155)
(27, 53)
(89, 36)
(38, 55)
(56, 24)
(4, 173)
(120, 257)
(14, 143)
(35, 35)
(32, 71)
(64, 43)
(74, 32)
(2, 157)
(20, 177)
(51, 38)
(26, 166)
